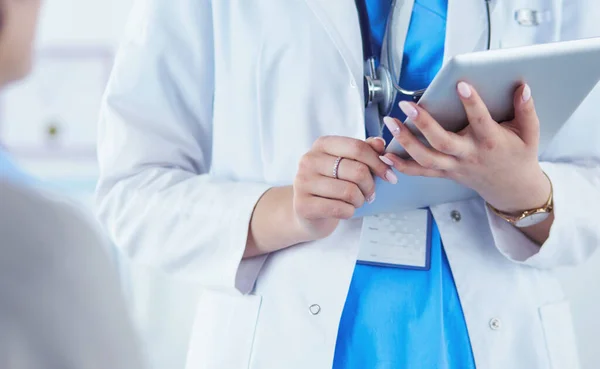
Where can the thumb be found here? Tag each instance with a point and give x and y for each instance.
(526, 118)
(377, 143)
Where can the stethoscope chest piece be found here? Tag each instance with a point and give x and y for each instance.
(381, 84)
(380, 90)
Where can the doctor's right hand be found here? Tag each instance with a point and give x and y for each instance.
(321, 196)
(334, 179)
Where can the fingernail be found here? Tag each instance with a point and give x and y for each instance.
(391, 177)
(408, 109)
(386, 161)
(464, 90)
(380, 139)
(371, 198)
(391, 124)
(526, 93)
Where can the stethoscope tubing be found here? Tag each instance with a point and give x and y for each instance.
(381, 83)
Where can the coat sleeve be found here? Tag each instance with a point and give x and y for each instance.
(155, 196)
(575, 233)
(573, 164)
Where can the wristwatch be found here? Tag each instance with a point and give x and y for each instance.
(530, 217)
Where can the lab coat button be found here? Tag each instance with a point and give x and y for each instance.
(495, 324)
(314, 309)
(352, 83)
(455, 215)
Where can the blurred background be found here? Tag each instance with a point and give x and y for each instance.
(49, 122)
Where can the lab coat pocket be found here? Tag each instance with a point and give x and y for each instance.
(223, 332)
(559, 335)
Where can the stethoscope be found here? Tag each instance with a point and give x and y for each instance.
(381, 82)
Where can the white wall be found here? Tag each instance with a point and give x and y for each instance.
(87, 33)
(76, 43)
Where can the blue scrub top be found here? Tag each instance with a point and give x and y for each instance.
(401, 318)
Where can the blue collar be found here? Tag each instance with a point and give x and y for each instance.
(9, 169)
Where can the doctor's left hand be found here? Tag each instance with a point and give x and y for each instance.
(499, 161)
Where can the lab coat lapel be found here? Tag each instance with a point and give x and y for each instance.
(466, 28)
(340, 20)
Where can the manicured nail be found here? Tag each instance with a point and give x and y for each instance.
(391, 124)
(408, 109)
(371, 198)
(391, 177)
(386, 161)
(380, 139)
(526, 93)
(464, 90)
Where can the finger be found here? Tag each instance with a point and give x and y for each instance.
(484, 127)
(348, 171)
(426, 157)
(354, 149)
(335, 189)
(412, 168)
(313, 208)
(377, 143)
(443, 141)
(526, 117)
(358, 173)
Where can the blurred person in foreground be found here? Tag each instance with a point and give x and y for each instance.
(60, 302)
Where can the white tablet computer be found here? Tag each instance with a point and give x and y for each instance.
(560, 74)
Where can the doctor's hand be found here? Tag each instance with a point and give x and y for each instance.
(499, 161)
(323, 196)
(313, 206)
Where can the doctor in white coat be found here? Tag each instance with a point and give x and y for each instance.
(212, 106)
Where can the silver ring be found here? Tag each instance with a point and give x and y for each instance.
(336, 166)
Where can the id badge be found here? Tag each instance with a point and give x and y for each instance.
(400, 240)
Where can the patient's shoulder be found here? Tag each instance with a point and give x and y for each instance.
(58, 286)
(40, 222)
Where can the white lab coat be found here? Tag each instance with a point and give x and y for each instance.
(213, 102)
